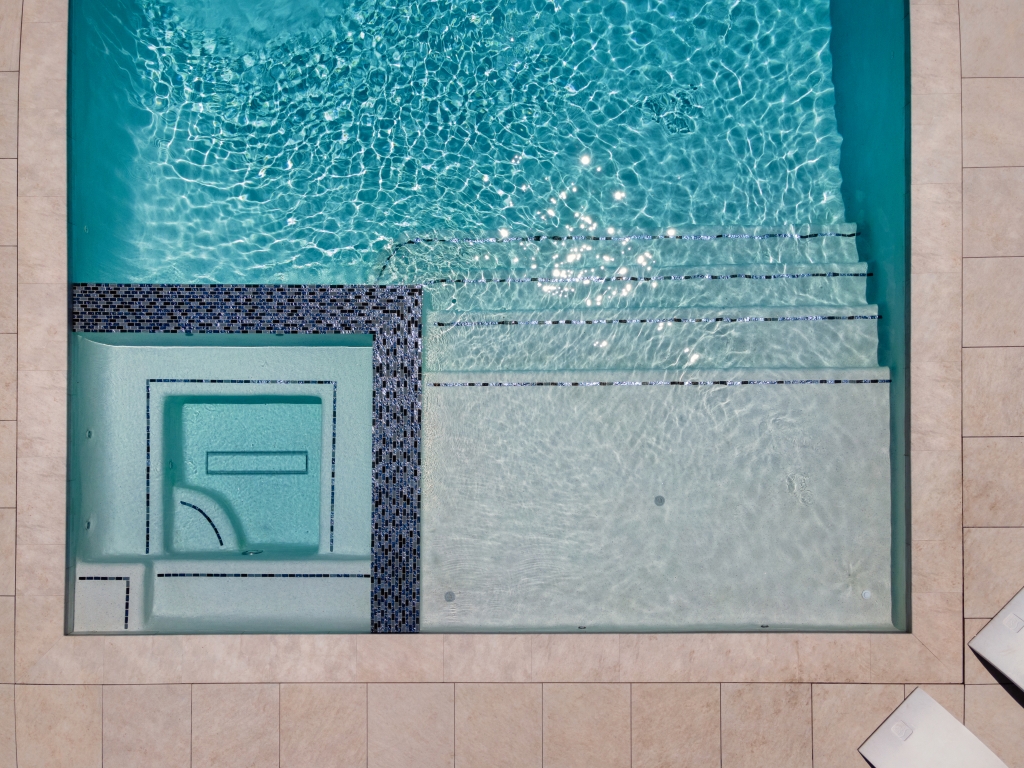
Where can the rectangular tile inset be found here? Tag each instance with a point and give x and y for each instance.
(43, 241)
(676, 724)
(936, 228)
(59, 726)
(411, 724)
(993, 569)
(147, 725)
(575, 658)
(766, 724)
(8, 376)
(586, 725)
(935, 317)
(936, 487)
(935, 406)
(8, 750)
(992, 31)
(487, 658)
(993, 121)
(8, 463)
(498, 725)
(8, 289)
(323, 725)
(993, 198)
(42, 414)
(43, 324)
(993, 482)
(8, 202)
(935, 132)
(845, 715)
(235, 726)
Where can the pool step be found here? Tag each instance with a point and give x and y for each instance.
(427, 260)
(768, 285)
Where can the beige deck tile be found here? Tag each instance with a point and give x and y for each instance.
(935, 317)
(586, 725)
(411, 724)
(314, 658)
(42, 414)
(935, 479)
(8, 114)
(938, 624)
(993, 118)
(498, 725)
(766, 724)
(323, 725)
(147, 725)
(993, 198)
(995, 717)
(903, 658)
(40, 569)
(59, 726)
(676, 724)
(993, 481)
(993, 296)
(935, 132)
(8, 202)
(8, 751)
(8, 289)
(934, 49)
(235, 726)
(43, 325)
(43, 654)
(42, 158)
(227, 658)
(992, 38)
(575, 658)
(6, 639)
(143, 659)
(844, 716)
(487, 658)
(45, 10)
(936, 228)
(400, 658)
(8, 376)
(8, 463)
(41, 508)
(935, 406)
(7, 559)
(949, 697)
(10, 34)
(749, 657)
(43, 248)
(993, 569)
(992, 391)
(937, 566)
(974, 671)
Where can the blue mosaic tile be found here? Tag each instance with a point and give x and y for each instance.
(391, 313)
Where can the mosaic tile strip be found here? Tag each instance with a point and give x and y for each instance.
(657, 321)
(127, 589)
(391, 313)
(637, 279)
(263, 575)
(334, 440)
(653, 383)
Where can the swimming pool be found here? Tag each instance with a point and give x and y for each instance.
(661, 374)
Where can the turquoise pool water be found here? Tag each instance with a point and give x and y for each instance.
(661, 248)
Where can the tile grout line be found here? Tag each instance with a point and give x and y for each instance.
(963, 223)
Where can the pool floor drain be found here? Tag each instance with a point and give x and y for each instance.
(449, 597)
(659, 501)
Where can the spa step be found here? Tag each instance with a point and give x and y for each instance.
(433, 259)
(766, 285)
(921, 734)
(815, 337)
(1001, 642)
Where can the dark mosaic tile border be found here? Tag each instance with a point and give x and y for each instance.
(127, 589)
(391, 313)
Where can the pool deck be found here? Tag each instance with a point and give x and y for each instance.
(559, 700)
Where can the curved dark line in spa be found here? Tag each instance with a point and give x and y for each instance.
(197, 509)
